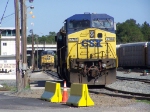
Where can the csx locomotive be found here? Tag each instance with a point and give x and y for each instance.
(86, 49)
(47, 60)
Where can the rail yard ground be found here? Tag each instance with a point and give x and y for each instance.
(104, 100)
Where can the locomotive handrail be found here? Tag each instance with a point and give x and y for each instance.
(86, 52)
(108, 46)
(114, 57)
(71, 49)
(61, 48)
(112, 50)
(93, 53)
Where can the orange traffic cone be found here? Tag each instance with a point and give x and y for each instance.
(65, 93)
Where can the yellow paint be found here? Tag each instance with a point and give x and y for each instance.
(47, 59)
(52, 92)
(96, 52)
(79, 96)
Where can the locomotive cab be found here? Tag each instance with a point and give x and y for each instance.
(86, 49)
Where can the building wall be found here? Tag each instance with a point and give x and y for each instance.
(8, 49)
(8, 65)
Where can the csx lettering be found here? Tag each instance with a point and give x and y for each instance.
(92, 43)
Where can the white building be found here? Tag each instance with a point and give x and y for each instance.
(7, 49)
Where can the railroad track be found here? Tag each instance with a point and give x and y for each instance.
(53, 74)
(119, 93)
(133, 79)
(111, 91)
(116, 92)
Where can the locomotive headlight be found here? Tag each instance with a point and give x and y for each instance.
(104, 65)
(73, 39)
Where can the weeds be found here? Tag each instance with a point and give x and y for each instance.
(5, 87)
(28, 86)
(145, 101)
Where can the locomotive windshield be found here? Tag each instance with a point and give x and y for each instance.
(50, 52)
(107, 23)
(47, 52)
(73, 24)
(95, 23)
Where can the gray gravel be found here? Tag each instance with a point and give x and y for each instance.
(131, 86)
(102, 102)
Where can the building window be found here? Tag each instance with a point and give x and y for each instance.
(4, 44)
(8, 33)
(13, 32)
(3, 32)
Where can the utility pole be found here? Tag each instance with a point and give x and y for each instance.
(23, 42)
(17, 25)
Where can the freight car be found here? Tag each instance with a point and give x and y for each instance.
(134, 55)
(86, 49)
(47, 60)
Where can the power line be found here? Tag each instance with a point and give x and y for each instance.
(6, 20)
(8, 15)
(12, 14)
(4, 11)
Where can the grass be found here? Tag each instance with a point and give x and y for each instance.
(145, 101)
(7, 88)
(28, 86)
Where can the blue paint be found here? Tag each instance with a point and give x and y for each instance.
(90, 18)
(92, 43)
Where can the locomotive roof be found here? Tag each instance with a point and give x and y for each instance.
(89, 16)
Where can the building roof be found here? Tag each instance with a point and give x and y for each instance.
(7, 28)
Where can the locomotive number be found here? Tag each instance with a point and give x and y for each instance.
(92, 43)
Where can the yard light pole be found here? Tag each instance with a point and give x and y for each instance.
(31, 31)
(37, 51)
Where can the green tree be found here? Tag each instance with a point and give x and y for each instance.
(42, 40)
(29, 38)
(51, 37)
(129, 31)
(145, 29)
(45, 39)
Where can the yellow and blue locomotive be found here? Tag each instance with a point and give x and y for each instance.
(86, 49)
(47, 60)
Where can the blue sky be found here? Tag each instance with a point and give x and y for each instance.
(50, 14)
